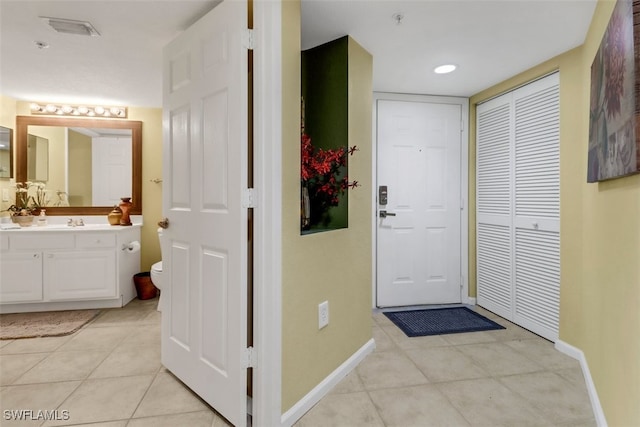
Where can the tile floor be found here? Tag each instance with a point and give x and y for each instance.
(109, 374)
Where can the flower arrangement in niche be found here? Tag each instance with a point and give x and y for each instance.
(322, 180)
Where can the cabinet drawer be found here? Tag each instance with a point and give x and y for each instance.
(42, 241)
(95, 240)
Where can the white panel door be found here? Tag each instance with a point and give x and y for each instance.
(418, 244)
(204, 324)
(111, 170)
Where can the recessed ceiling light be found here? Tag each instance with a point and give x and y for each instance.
(444, 69)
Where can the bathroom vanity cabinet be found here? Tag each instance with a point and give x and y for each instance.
(65, 268)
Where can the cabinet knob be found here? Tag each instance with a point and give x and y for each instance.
(97, 240)
(36, 256)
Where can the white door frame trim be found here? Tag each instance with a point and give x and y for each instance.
(267, 320)
(464, 185)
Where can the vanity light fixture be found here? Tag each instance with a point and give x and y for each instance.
(444, 69)
(78, 110)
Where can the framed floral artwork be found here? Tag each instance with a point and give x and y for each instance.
(614, 120)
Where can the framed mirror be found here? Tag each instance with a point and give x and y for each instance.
(90, 164)
(6, 152)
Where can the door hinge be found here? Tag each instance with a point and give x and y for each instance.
(249, 198)
(248, 40)
(249, 358)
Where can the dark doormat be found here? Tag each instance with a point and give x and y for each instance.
(440, 321)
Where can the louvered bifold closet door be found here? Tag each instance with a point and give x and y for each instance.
(536, 217)
(493, 201)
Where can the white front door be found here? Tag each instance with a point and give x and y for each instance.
(204, 321)
(418, 242)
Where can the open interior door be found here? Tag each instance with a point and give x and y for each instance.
(204, 317)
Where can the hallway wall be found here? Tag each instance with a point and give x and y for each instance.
(332, 266)
(600, 238)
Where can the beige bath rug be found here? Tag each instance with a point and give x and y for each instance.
(43, 324)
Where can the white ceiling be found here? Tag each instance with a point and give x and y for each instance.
(488, 40)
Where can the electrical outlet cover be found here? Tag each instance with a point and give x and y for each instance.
(323, 314)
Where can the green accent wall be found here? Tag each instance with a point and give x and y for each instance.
(325, 89)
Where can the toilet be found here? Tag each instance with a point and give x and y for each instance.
(156, 271)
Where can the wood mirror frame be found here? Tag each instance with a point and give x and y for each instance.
(21, 137)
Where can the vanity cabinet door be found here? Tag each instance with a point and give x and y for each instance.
(20, 277)
(80, 275)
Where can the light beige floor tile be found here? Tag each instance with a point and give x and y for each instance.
(469, 338)
(118, 317)
(560, 400)
(127, 361)
(389, 369)
(13, 366)
(381, 320)
(96, 339)
(543, 352)
(582, 423)
(63, 366)
(5, 342)
(353, 410)
(43, 397)
(486, 402)
(416, 406)
(405, 342)
(445, 364)
(104, 399)
(349, 384)
(192, 419)
(34, 345)
(575, 376)
(499, 359)
(120, 423)
(167, 395)
(143, 336)
(383, 342)
(152, 318)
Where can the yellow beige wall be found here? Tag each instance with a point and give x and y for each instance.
(80, 166)
(8, 120)
(600, 239)
(334, 266)
(151, 119)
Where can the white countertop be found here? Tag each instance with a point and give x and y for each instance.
(59, 223)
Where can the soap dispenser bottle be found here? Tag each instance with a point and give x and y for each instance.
(42, 218)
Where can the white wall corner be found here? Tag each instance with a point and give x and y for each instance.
(310, 399)
(578, 354)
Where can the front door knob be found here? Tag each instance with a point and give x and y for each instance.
(384, 214)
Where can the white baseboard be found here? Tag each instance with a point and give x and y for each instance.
(578, 354)
(469, 301)
(310, 399)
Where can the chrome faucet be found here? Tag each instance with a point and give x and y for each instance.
(75, 222)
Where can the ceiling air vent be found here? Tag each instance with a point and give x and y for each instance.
(70, 26)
